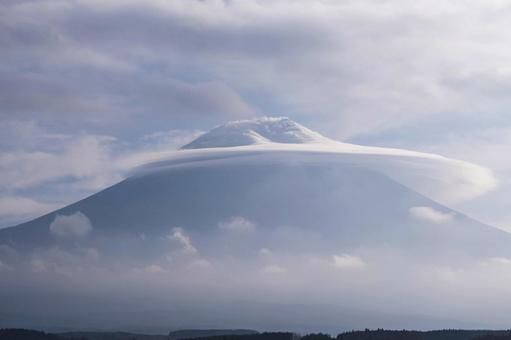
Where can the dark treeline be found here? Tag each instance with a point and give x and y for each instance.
(258, 336)
(379, 334)
(506, 336)
(201, 333)
(26, 334)
(445, 334)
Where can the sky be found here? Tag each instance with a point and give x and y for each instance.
(90, 89)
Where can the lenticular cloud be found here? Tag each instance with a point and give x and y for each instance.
(437, 177)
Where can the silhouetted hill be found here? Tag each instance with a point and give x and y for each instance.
(110, 336)
(379, 334)
(26, 334)
(201, 333)
(493, 336)
(447, 334)
(258, 336)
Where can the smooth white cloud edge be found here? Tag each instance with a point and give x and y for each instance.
(443, 179)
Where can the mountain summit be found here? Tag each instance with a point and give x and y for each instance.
(257, 131)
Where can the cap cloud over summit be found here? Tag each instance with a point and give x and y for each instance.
(443, 179)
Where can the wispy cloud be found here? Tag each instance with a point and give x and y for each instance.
(237, 224)
(274, 269)
(429, 214)
(86, 164)
(12, 208)
(178, 235)
(346, 261)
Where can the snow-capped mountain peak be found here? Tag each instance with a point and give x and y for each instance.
(257, 131)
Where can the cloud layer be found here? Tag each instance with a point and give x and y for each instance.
(419, 75)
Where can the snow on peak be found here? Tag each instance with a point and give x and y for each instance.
(256, 131)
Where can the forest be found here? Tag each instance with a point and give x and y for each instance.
(378, 334)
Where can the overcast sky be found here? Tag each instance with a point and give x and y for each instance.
(88, 89)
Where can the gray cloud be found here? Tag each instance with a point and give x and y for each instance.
(56, 72)
(364, 66)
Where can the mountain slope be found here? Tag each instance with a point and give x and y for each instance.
(346, 205)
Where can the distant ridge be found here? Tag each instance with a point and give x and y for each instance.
(201, 333)
(106, 336)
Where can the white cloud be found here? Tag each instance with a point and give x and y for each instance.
(86, 164)
(22, 206)
(237, 223)
(201, 264)
(92, 254)
(154, 269)
(170, 140)
(501, 260)
(38, 265)
(7, 252)
(82, 158)
(65, 261)
(274, 269)
(346, 261)
(178, 235)
(4, 267)
(430, 214)
(76, 224)
(15, 208)
(265, 252)
(486, 147)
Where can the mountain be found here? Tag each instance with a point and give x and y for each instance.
(262, 210)
(261, 131)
